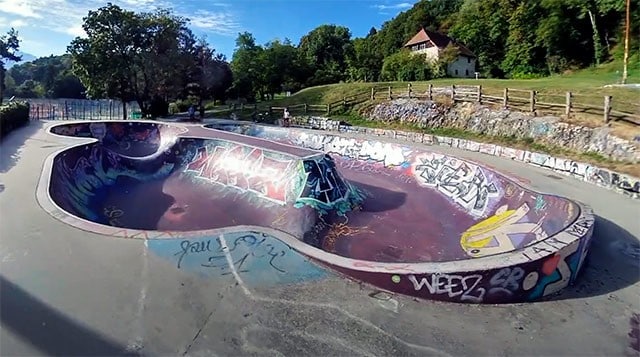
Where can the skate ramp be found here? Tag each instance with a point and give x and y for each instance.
(404, 219)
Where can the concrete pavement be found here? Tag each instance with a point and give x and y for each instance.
(71, 292)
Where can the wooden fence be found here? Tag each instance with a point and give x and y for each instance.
(535, 102)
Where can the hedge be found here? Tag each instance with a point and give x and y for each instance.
(13, 116)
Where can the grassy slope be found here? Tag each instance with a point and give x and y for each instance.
(587, 84)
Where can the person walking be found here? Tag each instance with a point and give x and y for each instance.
(286, 118)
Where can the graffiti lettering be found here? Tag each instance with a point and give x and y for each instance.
(251, 171)
(257, 247)
(507, 280)
(452, 285)
(387, 154)
(187, 247)
(112, 213)
(463, 182)
(580, 227)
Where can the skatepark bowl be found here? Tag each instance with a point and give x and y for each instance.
(292, 203)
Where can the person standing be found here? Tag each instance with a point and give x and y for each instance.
(286, 117)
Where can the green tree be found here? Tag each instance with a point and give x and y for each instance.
(326, 49)
(212, 75)
(245, 66)
(9, 45)
(406, 67)
(105, 61)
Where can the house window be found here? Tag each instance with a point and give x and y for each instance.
(456, 72)
(466, 72)
(468, 59)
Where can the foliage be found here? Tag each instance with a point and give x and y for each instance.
(13, 116)
(44, 77)
(152, 58)
(9, 44)
(405, 67)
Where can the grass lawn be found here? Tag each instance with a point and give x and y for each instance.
(588, 86)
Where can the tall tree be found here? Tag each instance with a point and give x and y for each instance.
(326, 48)
(105, 60)
(9, 45)
(246, 67)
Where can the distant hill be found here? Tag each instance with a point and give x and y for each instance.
(26, 57)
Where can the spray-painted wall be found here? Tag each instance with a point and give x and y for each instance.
(550, 235)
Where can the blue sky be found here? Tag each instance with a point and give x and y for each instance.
(47, 26)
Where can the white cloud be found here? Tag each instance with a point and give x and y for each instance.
(399, 6)
(220, 22)
(22, 8)
(65, 16)
(17, 23)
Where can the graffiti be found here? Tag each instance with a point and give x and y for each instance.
(257, 258)
(558, 270)
(341, 230)
(80, 173)
(112, 214)
(493, 235)
(325, 189)
(389, 155)
(507, 281)
(453, 285)
(540, 204)
(218, 260)
(464, 183)
(363, 166)
(244, 168)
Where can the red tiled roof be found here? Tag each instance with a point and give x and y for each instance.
(439, 40)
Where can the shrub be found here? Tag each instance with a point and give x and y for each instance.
(13, 116)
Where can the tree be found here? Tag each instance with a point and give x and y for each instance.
(212, 76)
(105, 60)
(246, 67)
(9, 45)
(405, 67)
(326, 49)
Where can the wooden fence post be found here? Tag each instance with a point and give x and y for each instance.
(453, 92)
(328, 108)
(505, 99)
(241, 106)
(607, 108)
(409, 90)
(567, 108)
(344, 103)
(430, 91)
(389, 92)
(532, 101)
(480, 94)
(373, 93)
(305, 108)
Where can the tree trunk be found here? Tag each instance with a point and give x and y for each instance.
(597, 46)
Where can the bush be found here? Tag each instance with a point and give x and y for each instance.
(13, 116)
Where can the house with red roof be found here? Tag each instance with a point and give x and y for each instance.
(431, 44)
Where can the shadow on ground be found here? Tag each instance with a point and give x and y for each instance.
(11, 144)
(613, 263)
(48, 330)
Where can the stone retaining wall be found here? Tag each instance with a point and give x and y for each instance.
(502, 122)
(622, 183)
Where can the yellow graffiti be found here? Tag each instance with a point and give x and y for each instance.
(491, 236)
(341, 230)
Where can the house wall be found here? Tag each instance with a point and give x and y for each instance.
(431, 53)
(463, 67)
